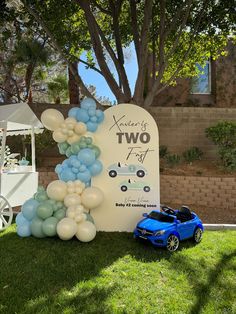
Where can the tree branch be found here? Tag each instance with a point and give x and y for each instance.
(77, 78)
(139, 86)
(134, 25)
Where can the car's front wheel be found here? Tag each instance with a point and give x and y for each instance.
(197, 236)
(112, 173)
(172, 243)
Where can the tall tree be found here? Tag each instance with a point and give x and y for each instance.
(169, 36)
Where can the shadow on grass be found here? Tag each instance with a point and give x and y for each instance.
(53, 276)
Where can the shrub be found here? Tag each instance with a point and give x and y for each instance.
(224, 136)
(163, 151)
(192, 154)
(173, 160)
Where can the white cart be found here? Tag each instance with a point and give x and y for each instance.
(19, 184)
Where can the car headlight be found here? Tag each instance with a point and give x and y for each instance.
(159, 233)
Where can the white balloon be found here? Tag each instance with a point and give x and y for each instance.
(72, 200)
(59, 136)
(70, 120)
(86, 231)
(52, 119)
(70, 213)
(79, 209)
(80, 218)
(80, 128)
(72, 139)
(66, 228)
(57, 190)
(92, 197)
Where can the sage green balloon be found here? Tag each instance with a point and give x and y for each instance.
(44, 210)
(49, 226)
(60, 213)
(41, 196)
(75, 148)
(97, 151)
(68, 152)
(36, 228)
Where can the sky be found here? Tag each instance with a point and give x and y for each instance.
(91, 77)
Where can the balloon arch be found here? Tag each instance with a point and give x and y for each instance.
(63, 209)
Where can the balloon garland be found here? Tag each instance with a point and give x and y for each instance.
(63, 209)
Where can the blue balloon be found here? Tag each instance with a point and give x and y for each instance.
(84, 176)
(100, 115)
(87, 156)
(96, 168)
(92, 112)
(88, 103)
(58, 168)
(29, 208)
(20, 219)
(73, 112)
(74, 170)
(67, 175)
(92, 126)
(75, 163)
(94, 119)
(82, 115)
(24, 230)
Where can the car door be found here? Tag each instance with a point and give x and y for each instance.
(186, 229)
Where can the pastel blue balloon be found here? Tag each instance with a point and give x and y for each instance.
(92, 126)
(82, 168)
(100, 115)
(94, 119)
(88, 103)
(24, 230)
(67, 175)
(58, 168)
(74, 170)
(82, 115)
(65, 163)
(96, 168)
(20, 219)
(73, 112)
(75, 163)
(29, 208)
(91, 112)
(84, 176)
(87, 156)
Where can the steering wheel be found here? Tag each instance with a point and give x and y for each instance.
(168, 210)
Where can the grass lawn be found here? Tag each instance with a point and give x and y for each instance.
(116, 274)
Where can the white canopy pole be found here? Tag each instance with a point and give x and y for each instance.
(33, 149)
(4, 135)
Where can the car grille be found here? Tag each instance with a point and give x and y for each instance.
(144, 231)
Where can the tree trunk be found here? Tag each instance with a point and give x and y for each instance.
(72, 85)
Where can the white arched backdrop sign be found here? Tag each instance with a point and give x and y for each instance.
(129, 143)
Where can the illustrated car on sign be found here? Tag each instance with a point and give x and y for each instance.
(126, 170)
(168, 228)
(134, 185)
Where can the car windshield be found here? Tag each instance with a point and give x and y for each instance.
(161, 217)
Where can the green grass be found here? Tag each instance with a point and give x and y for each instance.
(116, 274)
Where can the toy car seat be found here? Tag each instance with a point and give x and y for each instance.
(184, 214)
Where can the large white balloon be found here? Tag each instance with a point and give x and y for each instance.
(51, 119)
(58, 136)
(86, 231)
(57, 190)
(72, 200)
(80, 128)
(92, 197)
(66, 228)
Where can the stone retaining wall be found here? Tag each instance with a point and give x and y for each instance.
(208, 191)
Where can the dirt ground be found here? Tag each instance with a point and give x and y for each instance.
(197, 168)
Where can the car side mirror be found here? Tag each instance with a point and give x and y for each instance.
(145, 215)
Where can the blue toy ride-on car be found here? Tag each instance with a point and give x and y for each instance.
(168, 227)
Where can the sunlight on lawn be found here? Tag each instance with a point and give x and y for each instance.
(116, 274)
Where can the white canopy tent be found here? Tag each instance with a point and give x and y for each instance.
(18, 119)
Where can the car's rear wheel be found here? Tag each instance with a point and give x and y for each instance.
(172, 243)
(197, 236)
(123, 188)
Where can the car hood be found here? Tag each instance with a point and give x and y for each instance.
(153, 225)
